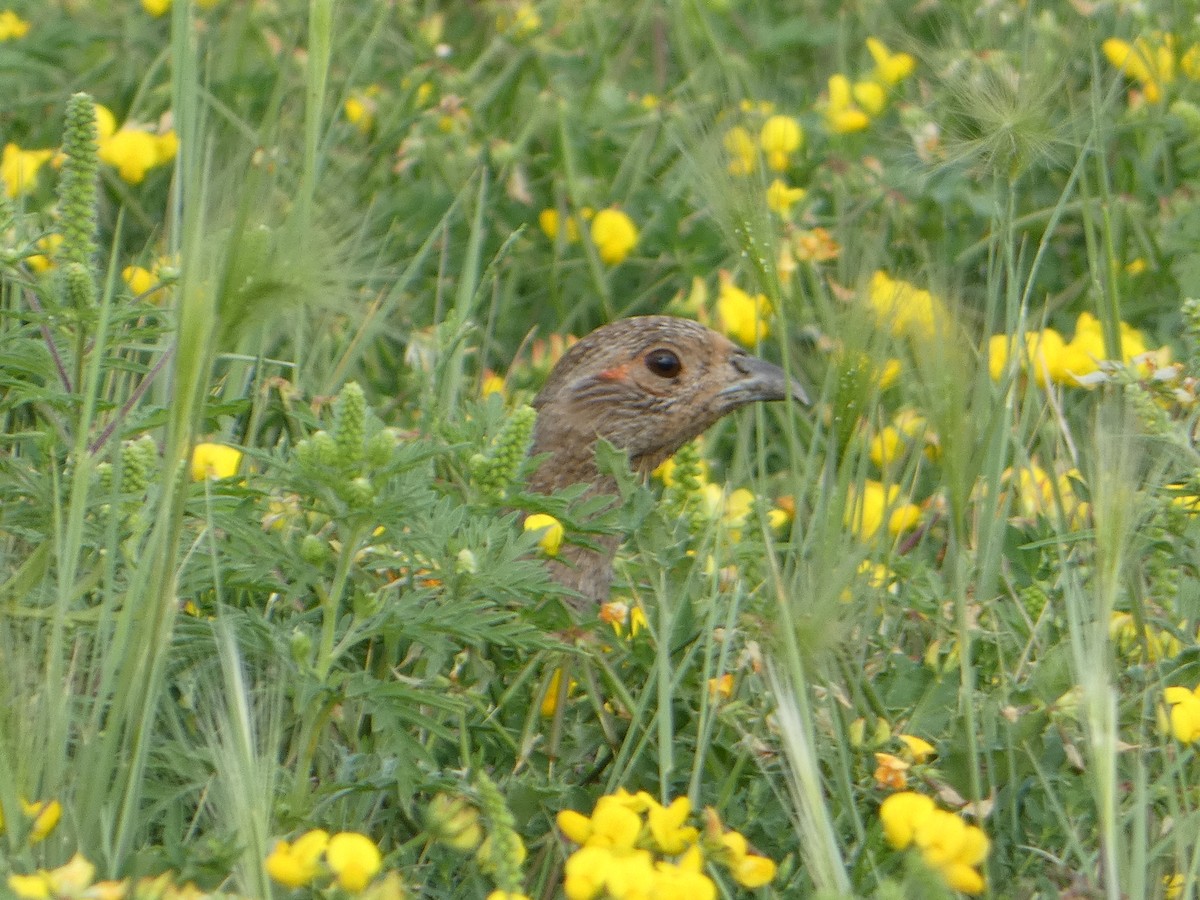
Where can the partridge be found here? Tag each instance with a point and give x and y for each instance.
(647, 385)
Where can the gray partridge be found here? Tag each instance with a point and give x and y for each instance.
(647, 385)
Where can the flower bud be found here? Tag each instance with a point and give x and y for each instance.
(314, 550)
(454, 822)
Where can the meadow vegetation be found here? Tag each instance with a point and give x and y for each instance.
(278, 281)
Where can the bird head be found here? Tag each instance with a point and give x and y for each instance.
(648, 385)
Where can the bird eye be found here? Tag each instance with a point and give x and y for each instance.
(663, 363)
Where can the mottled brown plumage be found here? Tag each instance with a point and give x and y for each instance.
(648, 385)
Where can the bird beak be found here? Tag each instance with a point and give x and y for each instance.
(759, 380)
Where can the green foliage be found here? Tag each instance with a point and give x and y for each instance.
(972, 537)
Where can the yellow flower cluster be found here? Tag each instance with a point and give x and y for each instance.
(1075, 363)
(633, 847)
(131, 150)
(730, 509)
(1147, 644)
(909, 311)
(891, 770)
(1037, 494)
(877, 505)
(612, 231)
(1152, 62)
(351, 858)
(739, 315)
(76, 879)
(779, 137)
(947, 844)
(851, 105)
(621, 616)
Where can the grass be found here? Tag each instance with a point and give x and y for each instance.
(959, 542)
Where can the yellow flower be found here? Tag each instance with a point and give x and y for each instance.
(749, 869)
(552, 532)
(358, 113)
(780, 137)
(29, 887)
(781, 198)
(19, 169)
(156, 7)
(917, 748)
(354, 860)
(891, 772)
(360, 106)
(903, 307)
(106, 123)
(816, 245)
(870, 508)
(591, 871)
(887, 446)
(889, 374)
(947, 844)
(739, 315)
(491, 384)
(741, 149)
(575, 826)
(614, 235)
(548, 221)
(12, 26)
(140, 280)
(295, 865)
(870, 96)
(1037, 494)
(215, 461)
(637, 621)
(45, 817)
(667, 828)
(754, 871)
(44, 261)
(614, 823)
(902, 814)
(1152, 65)
(550, 698)
(133, 151)
(890, 68)
(1147, 643)
(842, 116)
(506, 895)
(684, 880)
(721, 688)
(1183, 713)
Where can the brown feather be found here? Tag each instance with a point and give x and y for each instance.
(617, 383)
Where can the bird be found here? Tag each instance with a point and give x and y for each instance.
(647, 385)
